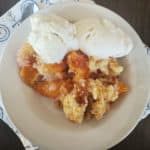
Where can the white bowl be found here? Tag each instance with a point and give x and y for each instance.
(46, 126)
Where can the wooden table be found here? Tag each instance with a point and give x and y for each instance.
(137, 13)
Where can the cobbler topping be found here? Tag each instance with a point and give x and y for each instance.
(83, 86)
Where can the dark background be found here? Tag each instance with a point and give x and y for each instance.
(137, 13)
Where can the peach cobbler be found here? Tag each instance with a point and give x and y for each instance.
(75, 64)
(83, 86)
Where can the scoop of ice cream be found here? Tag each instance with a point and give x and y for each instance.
(52, 37)
(101, 38)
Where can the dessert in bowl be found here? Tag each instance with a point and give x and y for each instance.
(75, 65)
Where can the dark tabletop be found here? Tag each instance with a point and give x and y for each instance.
(137, 13)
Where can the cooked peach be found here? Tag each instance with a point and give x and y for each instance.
(78, 64)
(49, 89)
(28, 75)
(122, 88)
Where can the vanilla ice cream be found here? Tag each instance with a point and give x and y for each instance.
(52, 37)
(102, 39)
